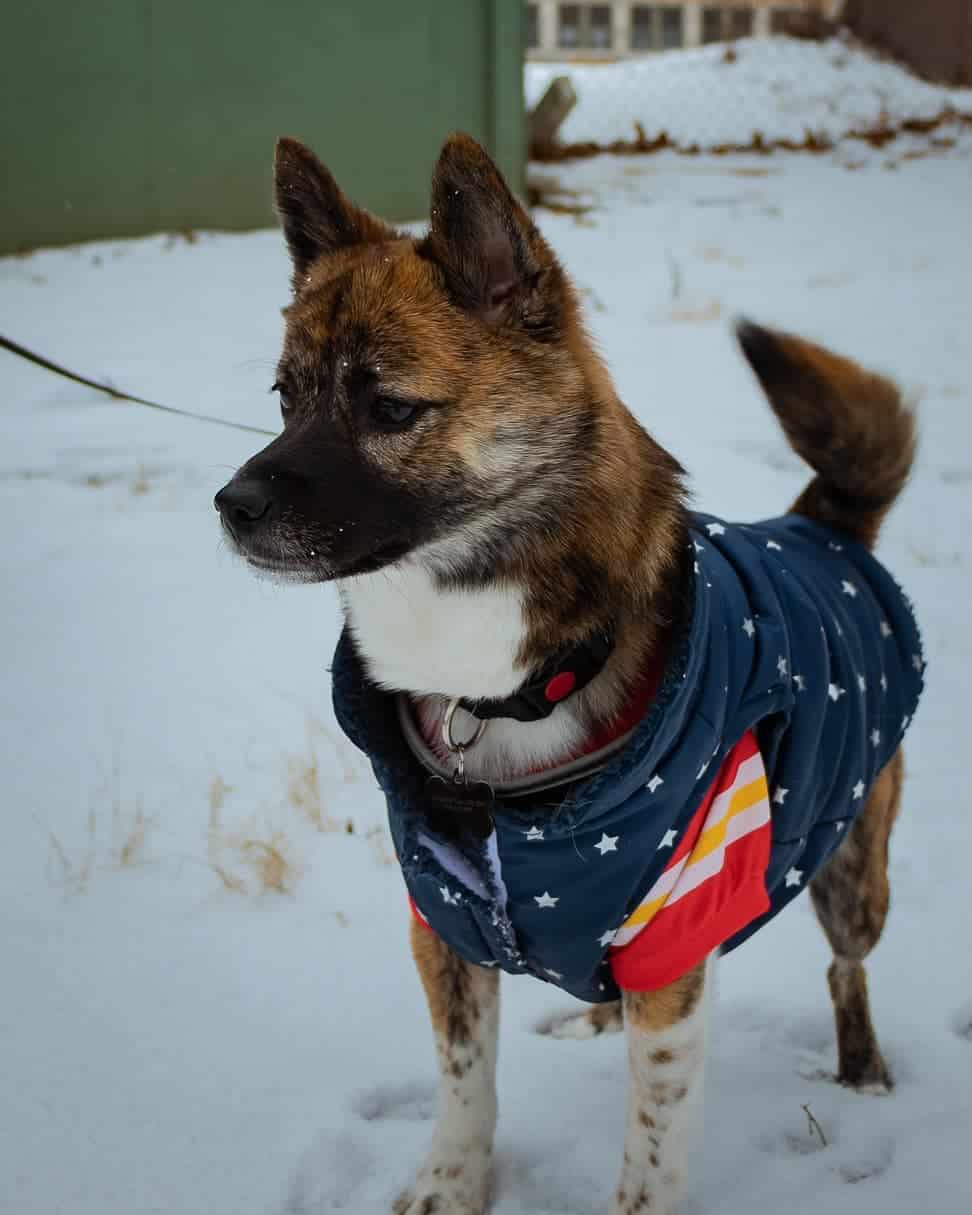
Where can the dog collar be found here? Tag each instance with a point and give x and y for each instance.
(566, 673)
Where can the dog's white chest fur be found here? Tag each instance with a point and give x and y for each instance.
(418, 638)
(439, 644)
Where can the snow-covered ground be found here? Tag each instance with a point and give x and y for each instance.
(207, 1005)
(771, 89)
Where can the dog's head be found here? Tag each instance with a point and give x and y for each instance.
(435, 392)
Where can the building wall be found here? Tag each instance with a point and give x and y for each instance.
(934, 36)
(119, 117)
(763, 14)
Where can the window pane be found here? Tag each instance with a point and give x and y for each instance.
(712, 25)
(568, 26)
(740, 22)
(600, 27)
(642, 28)
(532, 27)
(671, 28)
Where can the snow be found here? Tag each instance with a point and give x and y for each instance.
(208, 1003)
(771, 88)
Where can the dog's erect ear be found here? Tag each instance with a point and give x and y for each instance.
(491, 253)
(316, 216)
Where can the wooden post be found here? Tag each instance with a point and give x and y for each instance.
(550, 111)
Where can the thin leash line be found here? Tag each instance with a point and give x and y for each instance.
(116, 393)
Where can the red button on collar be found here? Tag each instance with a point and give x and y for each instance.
(560, 686)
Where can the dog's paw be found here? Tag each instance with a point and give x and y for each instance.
(871, 1077)
(600, 1019)
(453, 1181)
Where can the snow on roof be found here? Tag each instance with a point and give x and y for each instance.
(768, 89)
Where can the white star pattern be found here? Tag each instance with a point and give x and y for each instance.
(452, 900)
(489, 963)
(748, 627)
(884, 682)
(862, 683)
(606, 937)
(715, 529)
(695, 567)
(839, 826)
(699, 548)
(702, 770)
(779, 796)
(837, 548)
(773, 544)
(849, 589)
(554, 974)
(546, 899)
(535, 833)
(875, 738)
(801, 683)
(781, 665)
(654, 784)
(668, 839)
(607, 843)
(835, 691)
(886, 629)
(858, 791)
(794, 877)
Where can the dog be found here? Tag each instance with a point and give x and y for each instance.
(615, 737)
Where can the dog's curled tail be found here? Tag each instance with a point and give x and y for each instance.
(850, 425)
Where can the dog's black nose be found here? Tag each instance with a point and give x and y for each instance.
(244, 503)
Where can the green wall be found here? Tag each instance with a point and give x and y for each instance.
(119, 118)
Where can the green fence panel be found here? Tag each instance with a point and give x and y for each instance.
(123, 118)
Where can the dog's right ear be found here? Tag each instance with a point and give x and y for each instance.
(316, 216)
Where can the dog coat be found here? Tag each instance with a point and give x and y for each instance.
(788, 691)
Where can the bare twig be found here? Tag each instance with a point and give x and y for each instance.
(814, 1126)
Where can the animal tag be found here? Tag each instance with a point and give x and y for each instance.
(460, 805)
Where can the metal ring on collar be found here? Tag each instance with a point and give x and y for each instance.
(447, 738)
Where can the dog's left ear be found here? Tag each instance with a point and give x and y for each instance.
(493, 257)
(316, 216)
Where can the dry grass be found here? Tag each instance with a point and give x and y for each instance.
(125, 847)
(883, 132)
(712, 254)
(247, 860)
(700, 314)
(255, 860)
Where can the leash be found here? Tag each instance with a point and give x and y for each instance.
(116, 393)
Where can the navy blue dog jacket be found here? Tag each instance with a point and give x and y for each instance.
(788, 691)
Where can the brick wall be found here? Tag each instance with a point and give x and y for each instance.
(934, 36)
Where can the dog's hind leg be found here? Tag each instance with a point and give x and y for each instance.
(851, 898)
(598, 1019)
(666, 1050)
(464, 1007)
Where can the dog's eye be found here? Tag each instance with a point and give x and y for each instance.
(390, 414)
(286, 404)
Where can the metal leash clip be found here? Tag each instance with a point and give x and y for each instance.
(460, 803)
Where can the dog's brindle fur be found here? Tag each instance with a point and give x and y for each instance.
(455, 456)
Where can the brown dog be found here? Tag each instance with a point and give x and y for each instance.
(454, 455)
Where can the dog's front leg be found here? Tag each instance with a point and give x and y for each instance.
(666, 1045)
(464, 1006)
